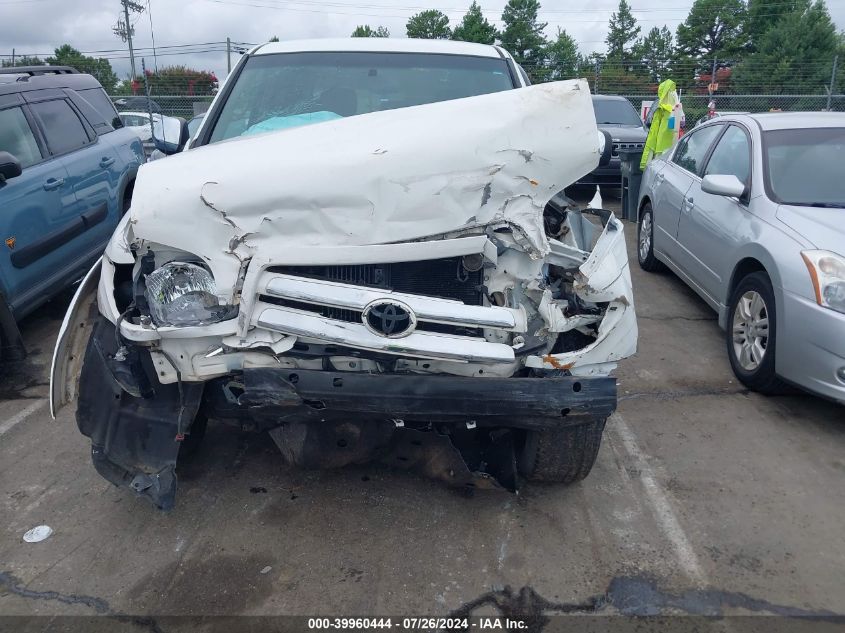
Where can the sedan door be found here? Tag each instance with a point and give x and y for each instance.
(672, 184)
(712, 227)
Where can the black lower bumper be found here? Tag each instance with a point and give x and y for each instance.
(271, 396)
(450, 427)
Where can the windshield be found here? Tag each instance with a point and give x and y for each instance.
(804, 166)
(615, 112)
(290, 89)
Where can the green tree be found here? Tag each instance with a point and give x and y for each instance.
(794, 56)
(523, 34)
(764, 14)
(562, 58)
(181, 80)
(656, 50)
(622, 32)
(366, 31)
(429, 25)
(474, 27)
(275, 38)
(713, 30)
(22, 60)
(66, 55)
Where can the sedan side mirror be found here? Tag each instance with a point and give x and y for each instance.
(10, 167)
(170, 134)
(723, 185)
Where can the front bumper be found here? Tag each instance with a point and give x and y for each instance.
(273, 396)
(610, 174)
(320, 418)
(811, 346)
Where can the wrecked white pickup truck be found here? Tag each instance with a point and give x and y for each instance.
(365, 252)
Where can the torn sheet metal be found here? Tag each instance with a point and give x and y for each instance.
(392, 176)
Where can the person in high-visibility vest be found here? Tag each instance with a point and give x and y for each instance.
(664, 124)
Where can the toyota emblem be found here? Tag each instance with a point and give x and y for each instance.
(389, 318)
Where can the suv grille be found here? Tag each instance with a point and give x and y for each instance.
(614, 151)
(445, 278)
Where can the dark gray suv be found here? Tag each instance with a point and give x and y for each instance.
(618, 117)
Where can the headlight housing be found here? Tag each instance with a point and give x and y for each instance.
(181, 293)
(827, 272)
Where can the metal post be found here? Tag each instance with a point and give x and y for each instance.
(125, 4)
(712, 78)
(150, 105)
(596, 82)
(228, 55)
(13, 57)
(832, 81)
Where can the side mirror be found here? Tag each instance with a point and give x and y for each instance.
(723, 185)
(607, 149)
(170, 134)
(10, 167)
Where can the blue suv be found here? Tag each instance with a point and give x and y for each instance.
(66, 177)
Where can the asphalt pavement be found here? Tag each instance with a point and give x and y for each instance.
(706, 498)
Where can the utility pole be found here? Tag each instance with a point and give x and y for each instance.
(124, 29)
(13, 61)
(228, 55)
(832, 81)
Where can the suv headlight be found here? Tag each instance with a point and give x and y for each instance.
(827, 271)
(182, 294)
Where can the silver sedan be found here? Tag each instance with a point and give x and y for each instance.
(749, 211)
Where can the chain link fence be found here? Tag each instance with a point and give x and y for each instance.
(183, 106)
(695, 106)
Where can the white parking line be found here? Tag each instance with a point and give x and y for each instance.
(660, 504)
(19, 417)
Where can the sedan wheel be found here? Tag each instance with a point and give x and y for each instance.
(752, 326)
(750, 330)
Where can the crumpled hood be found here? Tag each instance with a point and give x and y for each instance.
(823, 228)
(389, 176)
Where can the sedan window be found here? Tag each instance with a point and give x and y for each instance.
(804, 166)
(732, 155)
(693, 148)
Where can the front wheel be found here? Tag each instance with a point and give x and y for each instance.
(751, 333)
(564, 455)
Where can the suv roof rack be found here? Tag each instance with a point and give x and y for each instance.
(38, 70)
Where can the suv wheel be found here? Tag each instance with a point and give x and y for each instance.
(645, 241)
(750, 333)
(563, 455)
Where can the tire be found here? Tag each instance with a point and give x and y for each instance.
(565, 455)
(751, 345)
(645, 241)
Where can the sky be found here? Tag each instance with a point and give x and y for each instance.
(39, 26)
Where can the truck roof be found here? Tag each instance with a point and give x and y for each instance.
(381, 45)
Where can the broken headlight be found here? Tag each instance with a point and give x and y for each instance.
(180, 293)
(827, 271)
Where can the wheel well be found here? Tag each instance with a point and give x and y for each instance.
(645, 201)
(744, 267)
(126, 198)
